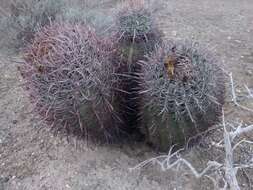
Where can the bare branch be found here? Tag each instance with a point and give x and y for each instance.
(230, 171)
(239, 131)
(235, 97)
(250, 92)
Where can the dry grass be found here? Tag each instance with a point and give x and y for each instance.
(21, 19)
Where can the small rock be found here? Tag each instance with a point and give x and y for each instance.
(4, 179)
(174, 33)
(249, 72)
(15, 122)
(67, 186)
(238, 41)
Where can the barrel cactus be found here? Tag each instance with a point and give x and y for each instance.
(71, 81)
(182, 93)
(136, 35)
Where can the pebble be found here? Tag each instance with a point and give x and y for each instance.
(67, 186)
(249, 72)
(4, 179)
(15, 122)
(174, 33)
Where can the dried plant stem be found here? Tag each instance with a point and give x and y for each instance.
(249, 91)
(234, 95)
(230, 171)
(3, 12)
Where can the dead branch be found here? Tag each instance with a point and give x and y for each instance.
(250, 92)
(230, 171)
(234, 99)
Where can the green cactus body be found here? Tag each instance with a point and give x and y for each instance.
(182, 90)
(137, 36)
(70, 80)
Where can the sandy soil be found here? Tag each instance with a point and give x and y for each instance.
(36, 159)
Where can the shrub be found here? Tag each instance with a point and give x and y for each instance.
(95, 17)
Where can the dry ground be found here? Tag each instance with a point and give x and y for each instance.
(35, 159)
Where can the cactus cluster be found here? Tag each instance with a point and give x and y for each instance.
(182, 90)
(71, 80)
(128, 82)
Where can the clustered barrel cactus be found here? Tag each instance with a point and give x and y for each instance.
(182, 90)
(70, 79)
(131, 82)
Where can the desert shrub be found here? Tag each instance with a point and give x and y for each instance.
(182, 90)
(25, 18)
(96, 17)
(71, 81)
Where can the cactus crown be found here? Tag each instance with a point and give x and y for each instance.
(136, 24)
(136, 32)
(181, 79)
